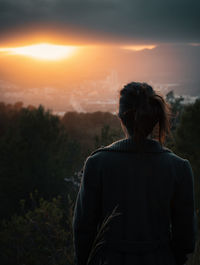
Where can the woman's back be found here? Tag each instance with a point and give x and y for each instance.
(142, 184)
(152, 190)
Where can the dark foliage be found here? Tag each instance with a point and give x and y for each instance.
(39, 151)
(38, 237)
(187, 139)
(35, 154)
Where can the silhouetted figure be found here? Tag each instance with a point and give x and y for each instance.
(151, 187)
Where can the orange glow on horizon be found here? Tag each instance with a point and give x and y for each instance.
(42, 51)
(138, 48)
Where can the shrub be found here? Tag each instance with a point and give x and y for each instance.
(40, 236)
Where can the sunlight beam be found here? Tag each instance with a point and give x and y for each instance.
(42, 51)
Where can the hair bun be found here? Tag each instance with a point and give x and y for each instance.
(140, 108)
(148, 90)
(134, 95)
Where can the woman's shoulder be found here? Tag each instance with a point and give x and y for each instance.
(179, 161)
(105, 149)
(103, 152)
(127, 145)
(172, 155)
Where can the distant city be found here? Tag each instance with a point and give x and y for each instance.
(89, 96)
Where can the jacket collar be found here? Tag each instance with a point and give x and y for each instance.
(128, 145)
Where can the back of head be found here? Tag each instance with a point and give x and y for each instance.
(141, 109)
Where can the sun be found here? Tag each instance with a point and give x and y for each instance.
(43, 51)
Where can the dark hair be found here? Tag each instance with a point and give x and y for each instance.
(141, 109)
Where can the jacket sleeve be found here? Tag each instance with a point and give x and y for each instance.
(183, 216)
(87, 212)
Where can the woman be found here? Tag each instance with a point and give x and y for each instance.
(151, 187)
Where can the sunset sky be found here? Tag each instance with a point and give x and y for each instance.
(92, 47)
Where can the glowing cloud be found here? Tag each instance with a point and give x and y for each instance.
(138, 48)
(194, 44)
(42, 51)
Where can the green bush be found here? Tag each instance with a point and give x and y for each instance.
(40, 236)
(35, 153)
(194, 259)
(187, 143)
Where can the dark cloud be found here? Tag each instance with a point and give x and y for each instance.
(119, 20)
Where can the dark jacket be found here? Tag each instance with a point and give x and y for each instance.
(154, 194)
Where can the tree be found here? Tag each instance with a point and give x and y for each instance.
(176, 108)
(35, 154)
(187, 141)
(41, 236)
(107, 136)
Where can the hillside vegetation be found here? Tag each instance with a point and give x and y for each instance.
(41, 158)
